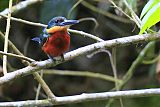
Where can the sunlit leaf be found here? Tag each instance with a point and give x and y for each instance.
(151, 18)
(148, 6)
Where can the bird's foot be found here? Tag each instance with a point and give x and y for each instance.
(62, 57)
(50, 57)
(59, 58)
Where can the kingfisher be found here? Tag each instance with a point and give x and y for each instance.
(55, 39)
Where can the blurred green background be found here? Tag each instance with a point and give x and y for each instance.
(108, 28)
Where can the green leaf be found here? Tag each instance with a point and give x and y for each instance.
(148, 6)
(151, 18)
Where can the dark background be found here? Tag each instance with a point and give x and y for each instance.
(21, 34)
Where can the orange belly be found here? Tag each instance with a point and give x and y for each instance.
(57, 44)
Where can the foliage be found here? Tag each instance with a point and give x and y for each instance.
(150, 15)
(111, 26)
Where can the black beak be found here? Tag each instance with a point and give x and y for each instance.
(69, 22)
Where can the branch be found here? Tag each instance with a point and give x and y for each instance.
(39, 86)
(113, 65)
(134, 16)
(132, 68)
(105, 13)
(151, 61)
(19, 6)
(111, 61)
(10, 44)
(35, 66)
(44, 86)
(135, 63)
(86, 97)
(17, 56)
(82, 73)
(24, 21)
(120, 9)
(86, 34)
(6, 38)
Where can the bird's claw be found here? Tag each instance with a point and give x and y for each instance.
(59, 58)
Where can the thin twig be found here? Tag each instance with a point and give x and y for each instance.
(86, 97)
(105, 13)
(134, 16)
(73, 7)
(14, 48)
(82, 73)
(39, 86)
(24, 21)
(45, 87)
(86, 35)
(17, 56)
(120, 9)
(115, 72)
(132, 68)
(6, 39)
(113, 68)
(112, 63)
(90, 19)
(11, 44)
(151, 61)
(21, 5)
(138, 60)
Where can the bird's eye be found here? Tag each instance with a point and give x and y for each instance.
(59, 20)
(56, 21)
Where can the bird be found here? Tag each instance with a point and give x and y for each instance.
(55, 39)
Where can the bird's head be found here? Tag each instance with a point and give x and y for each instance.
(58, 24)
(55, 24)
